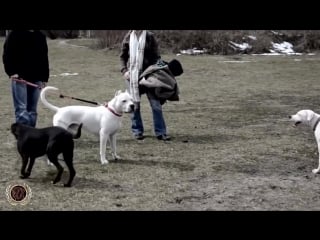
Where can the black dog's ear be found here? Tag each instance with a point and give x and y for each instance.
(14, 129)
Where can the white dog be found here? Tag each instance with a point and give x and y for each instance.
(104, 120)
(312, 119)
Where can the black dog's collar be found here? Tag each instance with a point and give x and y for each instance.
(316, 124)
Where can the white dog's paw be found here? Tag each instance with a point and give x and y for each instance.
(104, 161)
(315, 171)
(116, 156)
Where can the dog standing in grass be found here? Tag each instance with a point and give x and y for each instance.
(52, 141)
(312, 119)
(103, 121)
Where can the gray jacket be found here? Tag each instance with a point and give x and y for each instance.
(160, 82)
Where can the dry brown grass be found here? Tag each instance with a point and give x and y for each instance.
(232, 147)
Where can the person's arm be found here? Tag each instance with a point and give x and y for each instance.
(46, 62)
(154, 48)
(124, 55)
(10, 56)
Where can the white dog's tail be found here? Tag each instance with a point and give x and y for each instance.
(44, 100)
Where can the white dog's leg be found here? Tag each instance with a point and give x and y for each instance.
(103, 146)
(113, 143)
(49, 163)
(317, 169)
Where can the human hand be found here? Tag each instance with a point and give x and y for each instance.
(14, 76)
(126, 75)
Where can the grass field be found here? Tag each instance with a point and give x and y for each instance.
(233, 147)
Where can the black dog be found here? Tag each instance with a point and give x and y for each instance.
(33, 143)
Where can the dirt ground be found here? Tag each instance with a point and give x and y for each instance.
(232, 146)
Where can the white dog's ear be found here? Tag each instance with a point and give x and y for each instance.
(309, 116)
(117, 93)
(127, 92)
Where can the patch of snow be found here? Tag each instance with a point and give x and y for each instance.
(276, 33)
(64, 74)
(238, 46)
(252, 37)
(68, 74)
(284, 47)
(268, 54)
(193, 51)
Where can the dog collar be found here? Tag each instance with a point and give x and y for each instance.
(316, 124)
(111, 110)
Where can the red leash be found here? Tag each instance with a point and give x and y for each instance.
(79, 99)
(92, 102)
(26, 82)
(64, 96)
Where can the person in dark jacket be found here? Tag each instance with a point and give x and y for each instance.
(25, 56)
(140, 50)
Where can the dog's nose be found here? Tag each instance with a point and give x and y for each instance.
(289, 117)
(132, 107)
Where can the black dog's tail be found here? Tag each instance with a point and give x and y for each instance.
(78, 133)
